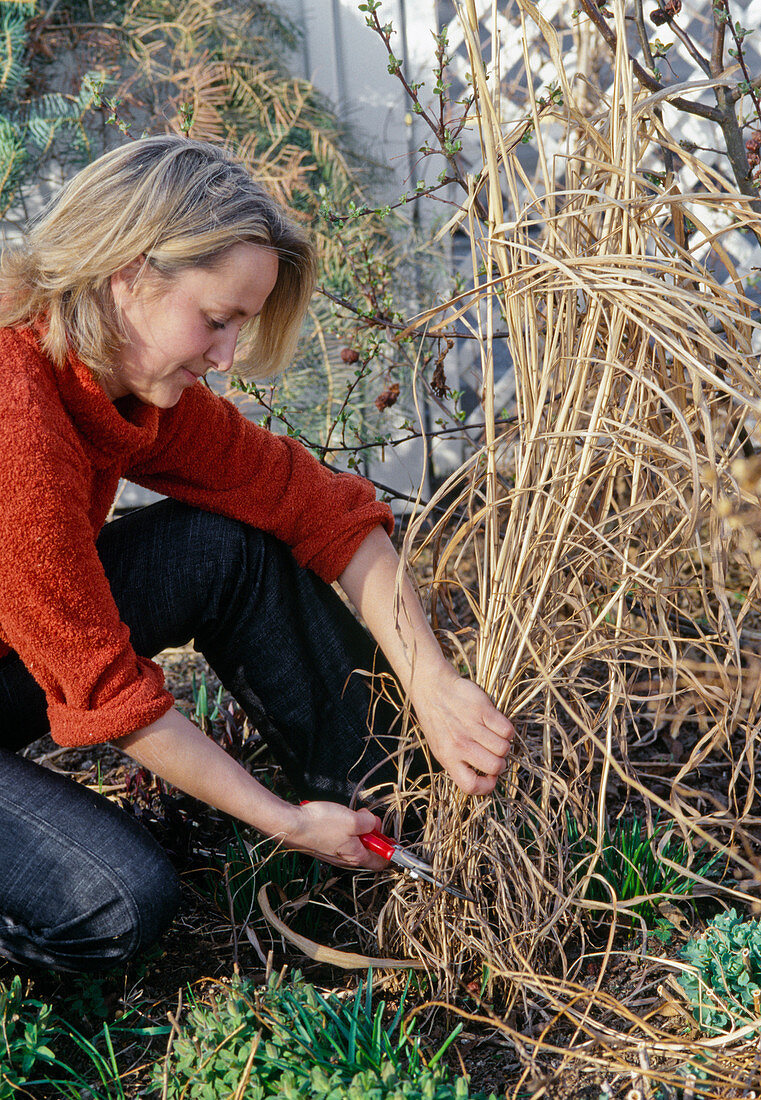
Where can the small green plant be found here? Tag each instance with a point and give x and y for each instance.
(203, 714)
(85, 999)
(663, 931)
(38, 1047)
(290, 1040)
(246, 866)
(634, 864)
(723, 984)
(27, 1029)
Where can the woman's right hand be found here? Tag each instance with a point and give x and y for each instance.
(331, 832)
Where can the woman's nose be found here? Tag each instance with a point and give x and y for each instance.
(222, 352)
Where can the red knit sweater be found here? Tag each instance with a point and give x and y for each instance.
(63, 448)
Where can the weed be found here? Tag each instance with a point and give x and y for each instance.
(663, 931)
(203, 714)
(27, 1029)
(86, 999)
(38, 1047)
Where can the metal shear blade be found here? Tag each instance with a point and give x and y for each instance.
(385, 846)
(418, 868)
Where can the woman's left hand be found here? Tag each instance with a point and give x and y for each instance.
(468, 736)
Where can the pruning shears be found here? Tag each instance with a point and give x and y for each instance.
(390, 849)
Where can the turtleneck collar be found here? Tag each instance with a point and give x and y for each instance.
(120, 428)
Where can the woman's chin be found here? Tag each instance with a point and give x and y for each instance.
(167, 396)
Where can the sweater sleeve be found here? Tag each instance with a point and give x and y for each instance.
(56, 606)
(209, 455)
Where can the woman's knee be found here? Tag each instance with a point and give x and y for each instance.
(147, 903)
(126, 909)
(105, 922)
(175, 569)
(82, 884)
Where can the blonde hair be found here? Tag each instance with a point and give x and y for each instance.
(180, 203)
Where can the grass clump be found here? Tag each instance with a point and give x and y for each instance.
(233, 880)
(630, 864)
(290, 1040)
(723, 984)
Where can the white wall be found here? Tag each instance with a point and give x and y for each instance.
(348, 63)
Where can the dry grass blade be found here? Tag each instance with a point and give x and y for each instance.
(613, 593)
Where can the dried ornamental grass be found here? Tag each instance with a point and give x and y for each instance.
(616, 589)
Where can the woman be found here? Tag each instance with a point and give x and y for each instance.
(137, 281)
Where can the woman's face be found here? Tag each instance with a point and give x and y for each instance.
(178, 329)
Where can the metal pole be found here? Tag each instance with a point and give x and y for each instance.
(411, 155)
(306, 59)
(340, 56)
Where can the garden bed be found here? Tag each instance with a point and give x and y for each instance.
(220, 936)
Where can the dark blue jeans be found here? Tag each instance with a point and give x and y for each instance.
(82, 885)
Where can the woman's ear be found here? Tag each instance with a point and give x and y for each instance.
(125, 279)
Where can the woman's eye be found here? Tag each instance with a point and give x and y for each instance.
(212, 323)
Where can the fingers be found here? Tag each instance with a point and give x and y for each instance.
(490, 741)
(481, 756)
(331, 832)
(365, 821)
(496, 721)
(481, 748)
(370, 861)
(481, 735)
(470, 782)
(499, 730)
(490, 763)
(354, 854)
(477, 770)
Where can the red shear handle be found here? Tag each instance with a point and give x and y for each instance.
(378, 843)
